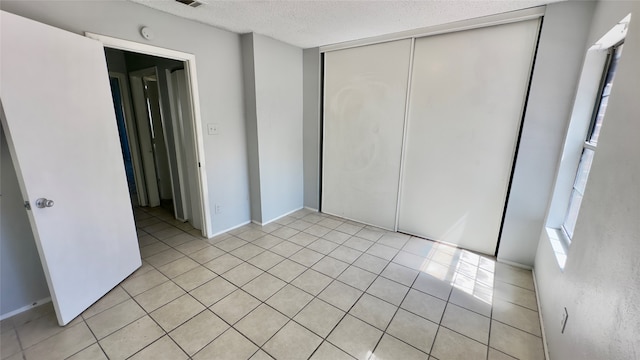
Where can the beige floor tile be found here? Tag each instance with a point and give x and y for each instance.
(16, 356)
(269, 228)
(388, 290)
(382, 251)
(178, 267)
(191, 247)
(312, 281)
(303, 239)
(139, 284)
(164, 257)
(115, 318)
(410, 260)
(285, 232)
(162, 349)
(213, 291)
(373, 311)
(413, 330)
(346, 254)
(323, 246)
(394, 240)
(152, 249)
(207, 254)
(261, 324)
(167, 233)
(93, 352)
(392, 348)
(194, 278)
(330, 223)
(223, 263)
(513, 275)
(286, 248)
(235, 306)
(112, 298)
(261, 355)
(300, 225)
(440, 288)
(313, 218)
(267, 241)
(514, 342)
(358, 278)
(292, 342)
(358, 243)
(177, 312)
(9, 344)
(178, 239)
(355, 337)
(160, 295)
(232, 344)
(247, 251)
(264, 286)
(516, 295)
(287, 270)
(132, 338)
(516, 316)
(337, 237)
(340, 295)
(289, 300)
(371, 263)
(242, 274)
(427, 306)
(330, 266)
(196, 333)
(266, 260)
(306, 257)
(319, 230)
(497, 355)
(467, 323)
(400, 274)
(230, 243)
(319, 317)
(251, 234)
(63, 344)
(39, 329)
(349, 228)
(143, 269)
(470, 302)
(450, 345)
(327, 351)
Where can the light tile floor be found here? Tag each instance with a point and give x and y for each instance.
(308, 286)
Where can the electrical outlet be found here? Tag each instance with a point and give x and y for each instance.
(218, 209)
(213, 129)
(563, 323)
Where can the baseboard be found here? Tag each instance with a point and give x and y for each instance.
(310, 208)
(513, 263)
(25, 308)
(277, 218)
(229, 229)
(544, 336)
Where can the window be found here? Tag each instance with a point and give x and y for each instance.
(591, 142)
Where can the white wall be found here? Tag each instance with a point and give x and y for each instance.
(600, 282)
(556, 71)
(22, 280)
(218, 59)
(311, 127)
(277, 103)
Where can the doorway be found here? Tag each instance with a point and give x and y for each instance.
(160, 137)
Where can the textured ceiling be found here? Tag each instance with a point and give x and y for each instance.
(311, 23)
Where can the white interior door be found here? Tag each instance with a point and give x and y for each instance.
(364, 107)
(467, 95)
(61, 130)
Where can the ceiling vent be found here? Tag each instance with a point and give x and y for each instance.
(192, 3)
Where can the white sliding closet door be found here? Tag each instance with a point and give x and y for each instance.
(364, 103)
(466, 102)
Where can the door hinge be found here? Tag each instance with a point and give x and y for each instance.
(27, 205)
(199, 164)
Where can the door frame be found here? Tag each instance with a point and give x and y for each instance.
(192, 79)
(132, 135)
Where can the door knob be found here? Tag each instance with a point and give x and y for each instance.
(43, 203)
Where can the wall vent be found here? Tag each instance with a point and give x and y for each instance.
(192, 3)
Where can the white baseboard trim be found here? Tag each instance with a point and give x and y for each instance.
(312, 209)
(512, 263)
(277, 218)
(25, 308)
(229, 229)
(544, 336)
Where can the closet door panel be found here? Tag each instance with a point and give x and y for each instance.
(364, 109)
(466, 104)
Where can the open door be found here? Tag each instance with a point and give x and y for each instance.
(58, 117)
